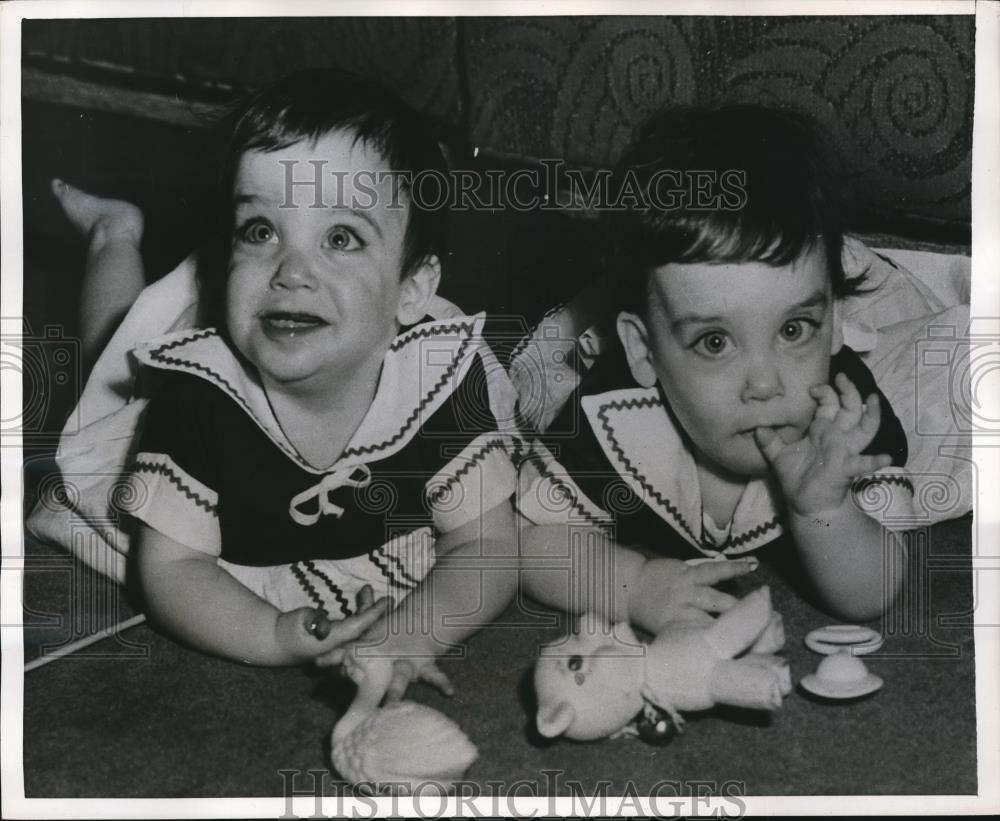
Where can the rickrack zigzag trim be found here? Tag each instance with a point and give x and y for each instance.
(750, 535)
(473, 460)
(378, 553)
(165, 471)
(311, 592)
(413, 417)
(338, 594)
(518, 452)
(158, 355)
(631, 404)
(574, 500)
(424, 333)
(881, 479)
(526, 340)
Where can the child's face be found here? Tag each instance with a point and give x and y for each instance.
(314, 294)
(736, 346)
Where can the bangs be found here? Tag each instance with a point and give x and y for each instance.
(785, 204)
(305, 107)
(732, 238)
(282, 124)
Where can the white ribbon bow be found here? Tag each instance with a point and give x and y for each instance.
(322, 490)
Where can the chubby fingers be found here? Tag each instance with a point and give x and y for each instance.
(711, 600)
(366, 598)
(872, 417)
(719, 571)
(342, 636)
(860, 465)
(850, 402)
(433, 675)
(866, 426)
(334, 657)
(770, 443)
(354, 627)
(829, 404)
(403, 673)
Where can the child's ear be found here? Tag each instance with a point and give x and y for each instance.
(837, 339)
(635, 340)
(418, 289)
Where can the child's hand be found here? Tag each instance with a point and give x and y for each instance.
(311, 635)
(407, 670)
(815, 472)
(672, 590)
(404, 670)
(382, 649)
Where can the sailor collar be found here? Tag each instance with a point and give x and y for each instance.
(415, 381)
(625, 422)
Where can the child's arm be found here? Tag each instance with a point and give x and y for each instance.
(846, 554)
(472, 582)
(199, 603)
(477, 578)
(856, 564)
(592, 573)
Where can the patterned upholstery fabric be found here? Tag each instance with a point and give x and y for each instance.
(894, 93)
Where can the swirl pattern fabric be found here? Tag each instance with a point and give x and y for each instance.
(894, 94)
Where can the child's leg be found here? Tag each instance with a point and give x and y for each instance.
(114, 274)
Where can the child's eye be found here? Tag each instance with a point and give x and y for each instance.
(257, 232)
(798, 330)
(344, 239)
(713, 343)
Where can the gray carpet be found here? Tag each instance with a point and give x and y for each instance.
(144, 717)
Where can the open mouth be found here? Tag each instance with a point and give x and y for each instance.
(283, 321)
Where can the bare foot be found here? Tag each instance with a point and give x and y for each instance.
(98, 219)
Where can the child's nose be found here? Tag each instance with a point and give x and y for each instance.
(293, 272)
(763, 382)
